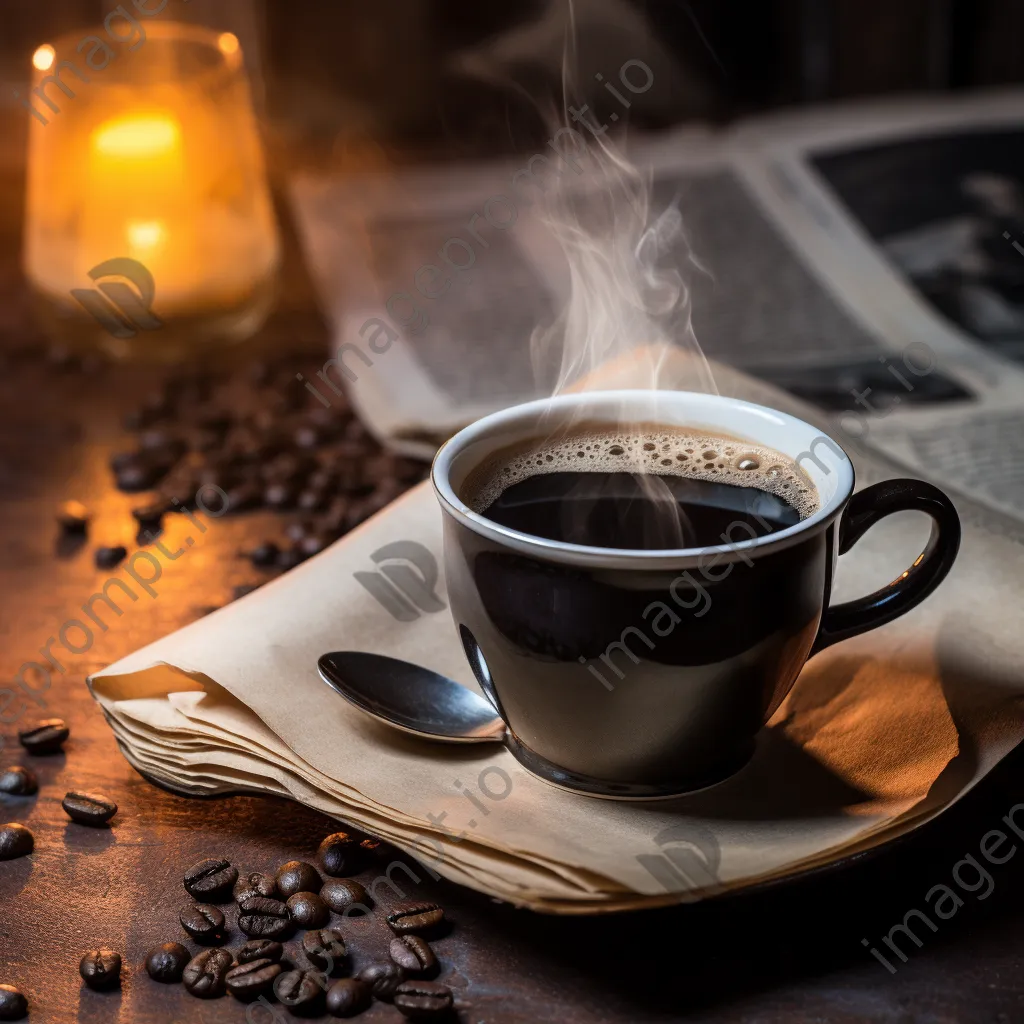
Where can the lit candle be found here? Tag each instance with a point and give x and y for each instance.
(166, 172)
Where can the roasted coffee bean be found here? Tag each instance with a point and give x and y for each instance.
(89, 808)
(312, 544)
(45, 737)
(243, 497)
(311, 500)
(324, 949)
(18, 781)
(161, 440)
(167, 962)
(255, 884)
(150, 515)
(13, 1005)
(308, 436)
(383, 978)
(290, 558)
(119, 460)
(204, 975)
(341, 893)
(101, 969)
(260, 949)
(253, 979)
(264, 554)
(211, 880)
(340, 854)
(297, 876)
(202, 921)
(109, 557)
(296, 531)
(15, 841)
(262, 918)
(279, 496)
(308, 910)
(73, 517)
(298, 990)
(413, 954)
(141, 474)
(414, 916)
(348, 997)
(424, 1000)
(325, 480)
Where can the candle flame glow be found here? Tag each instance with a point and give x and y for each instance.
(43, 58)
(137, 136)
(144, 234)
(227, 43)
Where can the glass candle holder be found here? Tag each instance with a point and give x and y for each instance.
(149, 229)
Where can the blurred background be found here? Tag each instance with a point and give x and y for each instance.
(399, 71)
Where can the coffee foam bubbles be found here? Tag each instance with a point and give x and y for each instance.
(658, 451)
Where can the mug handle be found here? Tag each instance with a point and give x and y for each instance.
(911, 587)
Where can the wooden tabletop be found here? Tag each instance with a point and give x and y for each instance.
(792, 952)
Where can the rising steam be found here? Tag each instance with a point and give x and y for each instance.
(628, 301)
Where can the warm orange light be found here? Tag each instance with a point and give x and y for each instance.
(43, 58)
(144, 234)
(227, 43)
(137, 136)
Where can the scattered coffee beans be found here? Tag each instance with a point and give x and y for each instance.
(324, 949)
(260, 949)
(211, 880)
(15, 841)
(348, 997)
(167, 962)
(383, 979)
(424, 1000)
(413, 954)
(204, 974)
(340, 854)
(13, 1005)
(262, 918)
(299, 990)
(101, 969)
(251, 980)
(308, 910)
(46, 737)
(254, 884)
(89, 808)
(203, 922)
(341, 893)
(297, 876)
(18, 781)
(414, 916)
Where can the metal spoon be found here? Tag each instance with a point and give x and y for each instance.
(411, 698)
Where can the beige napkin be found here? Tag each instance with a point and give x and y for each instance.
(879, 734)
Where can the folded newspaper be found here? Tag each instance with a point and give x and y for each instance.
(879, 735)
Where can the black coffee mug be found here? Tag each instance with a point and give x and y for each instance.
(641, 674)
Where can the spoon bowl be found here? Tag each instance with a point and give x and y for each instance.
(409, 697)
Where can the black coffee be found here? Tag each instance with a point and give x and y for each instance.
(626, 510)
(651, 490)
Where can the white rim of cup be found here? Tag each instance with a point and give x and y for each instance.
(702, 413)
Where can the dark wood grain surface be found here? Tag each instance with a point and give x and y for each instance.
(788, 953)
